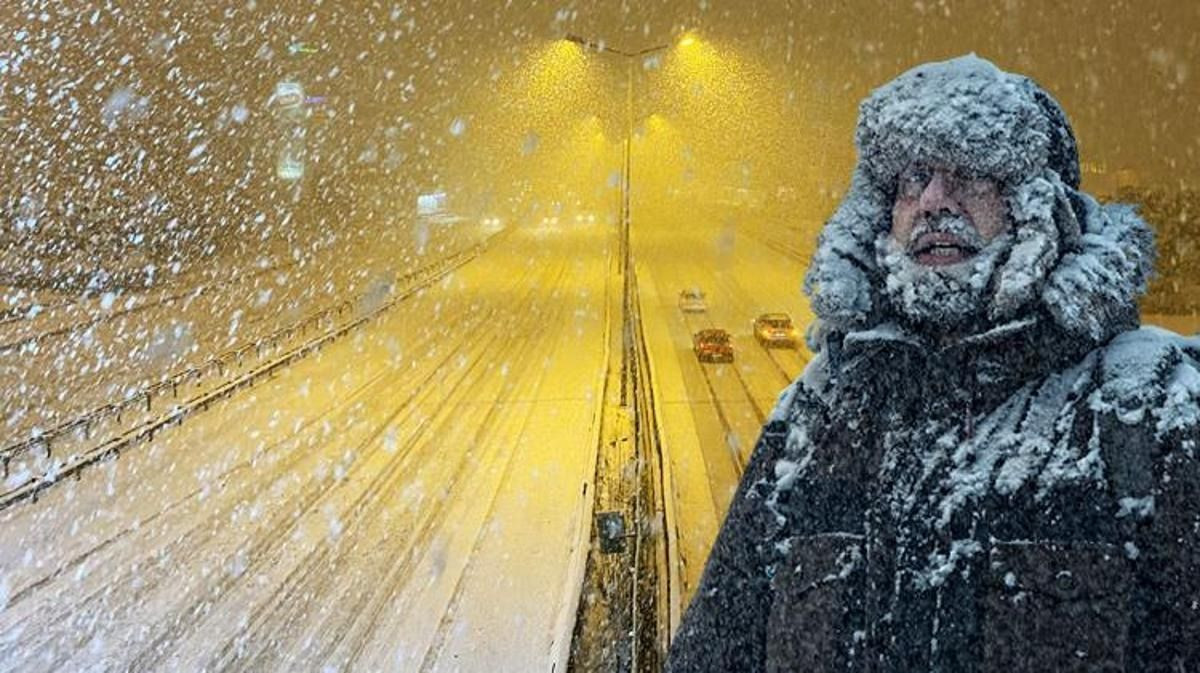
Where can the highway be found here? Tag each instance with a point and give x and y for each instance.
(69, 354)
(710, 413)
(411, 496)
(407, 498)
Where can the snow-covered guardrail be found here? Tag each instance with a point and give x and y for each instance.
(104, 431)
(22, 343)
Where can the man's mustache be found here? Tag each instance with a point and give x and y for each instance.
(933, 230)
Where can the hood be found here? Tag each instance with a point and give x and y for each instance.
(1076, 262)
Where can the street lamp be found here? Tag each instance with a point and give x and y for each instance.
(633, 367)
(601, 46)
(627, 167)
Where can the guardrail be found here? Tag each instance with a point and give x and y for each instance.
(22, 343)
(657, 607)
(108, 429)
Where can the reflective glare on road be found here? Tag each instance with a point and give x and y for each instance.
(328, 331)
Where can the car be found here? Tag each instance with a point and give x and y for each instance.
(775, 330)
(712, 345)
(692, 301)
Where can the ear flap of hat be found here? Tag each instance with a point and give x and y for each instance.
(841, 279)
(1033, 206)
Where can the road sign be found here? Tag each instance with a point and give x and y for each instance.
(611, 529)
(301, 48)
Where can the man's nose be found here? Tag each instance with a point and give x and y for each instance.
(936, 196)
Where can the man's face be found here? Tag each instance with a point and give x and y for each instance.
(949, 235)
(944, 216)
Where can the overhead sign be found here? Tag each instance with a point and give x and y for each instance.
(288, 94)
(431, 204)
(301, 48)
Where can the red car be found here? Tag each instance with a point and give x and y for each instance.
(712, 345)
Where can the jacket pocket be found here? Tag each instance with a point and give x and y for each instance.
(816, 621)
(1056, 606)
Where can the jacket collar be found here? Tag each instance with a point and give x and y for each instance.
(893, 334)
(986, 367)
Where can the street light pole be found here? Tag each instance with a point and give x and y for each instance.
(648, 611)
(624, 244)
(627, 168)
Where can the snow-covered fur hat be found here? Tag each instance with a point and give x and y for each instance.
(1084, 263)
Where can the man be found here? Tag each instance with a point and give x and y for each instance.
(987, 466)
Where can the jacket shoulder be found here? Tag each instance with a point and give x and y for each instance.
(1151, 377)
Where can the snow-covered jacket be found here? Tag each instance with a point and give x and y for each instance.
(1022, 498)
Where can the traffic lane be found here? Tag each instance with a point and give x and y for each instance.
(744, 280)
(762, 371)
(333, 621)
(431, 614)
(739, 394)
(706, 450)
(517, 573)
(517, 552)
(390, 339)
(689, 486)
(719, 394)
(716, 433)
(336, 632)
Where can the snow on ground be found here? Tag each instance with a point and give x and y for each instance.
(405, 499)
(102, 348)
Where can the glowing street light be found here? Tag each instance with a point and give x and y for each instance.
(626, 170)
(631, 358)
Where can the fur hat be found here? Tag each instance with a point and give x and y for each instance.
(1083, 263)
(966, 113)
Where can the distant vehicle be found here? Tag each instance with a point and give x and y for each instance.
(775, 330)
(712, 345)
(692, 301)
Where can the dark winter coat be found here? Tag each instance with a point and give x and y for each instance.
(1021, 523)
(1025, 498)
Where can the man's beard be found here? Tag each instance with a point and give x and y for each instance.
(941, 299)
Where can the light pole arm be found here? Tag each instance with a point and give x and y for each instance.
(604, 48)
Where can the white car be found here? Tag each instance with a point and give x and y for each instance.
(692, 301)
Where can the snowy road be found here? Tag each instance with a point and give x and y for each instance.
(410, 497)
(712, 413)
(407, 499)
(75, 354)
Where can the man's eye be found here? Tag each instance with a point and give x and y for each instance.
(912, 184)
(978, 186)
